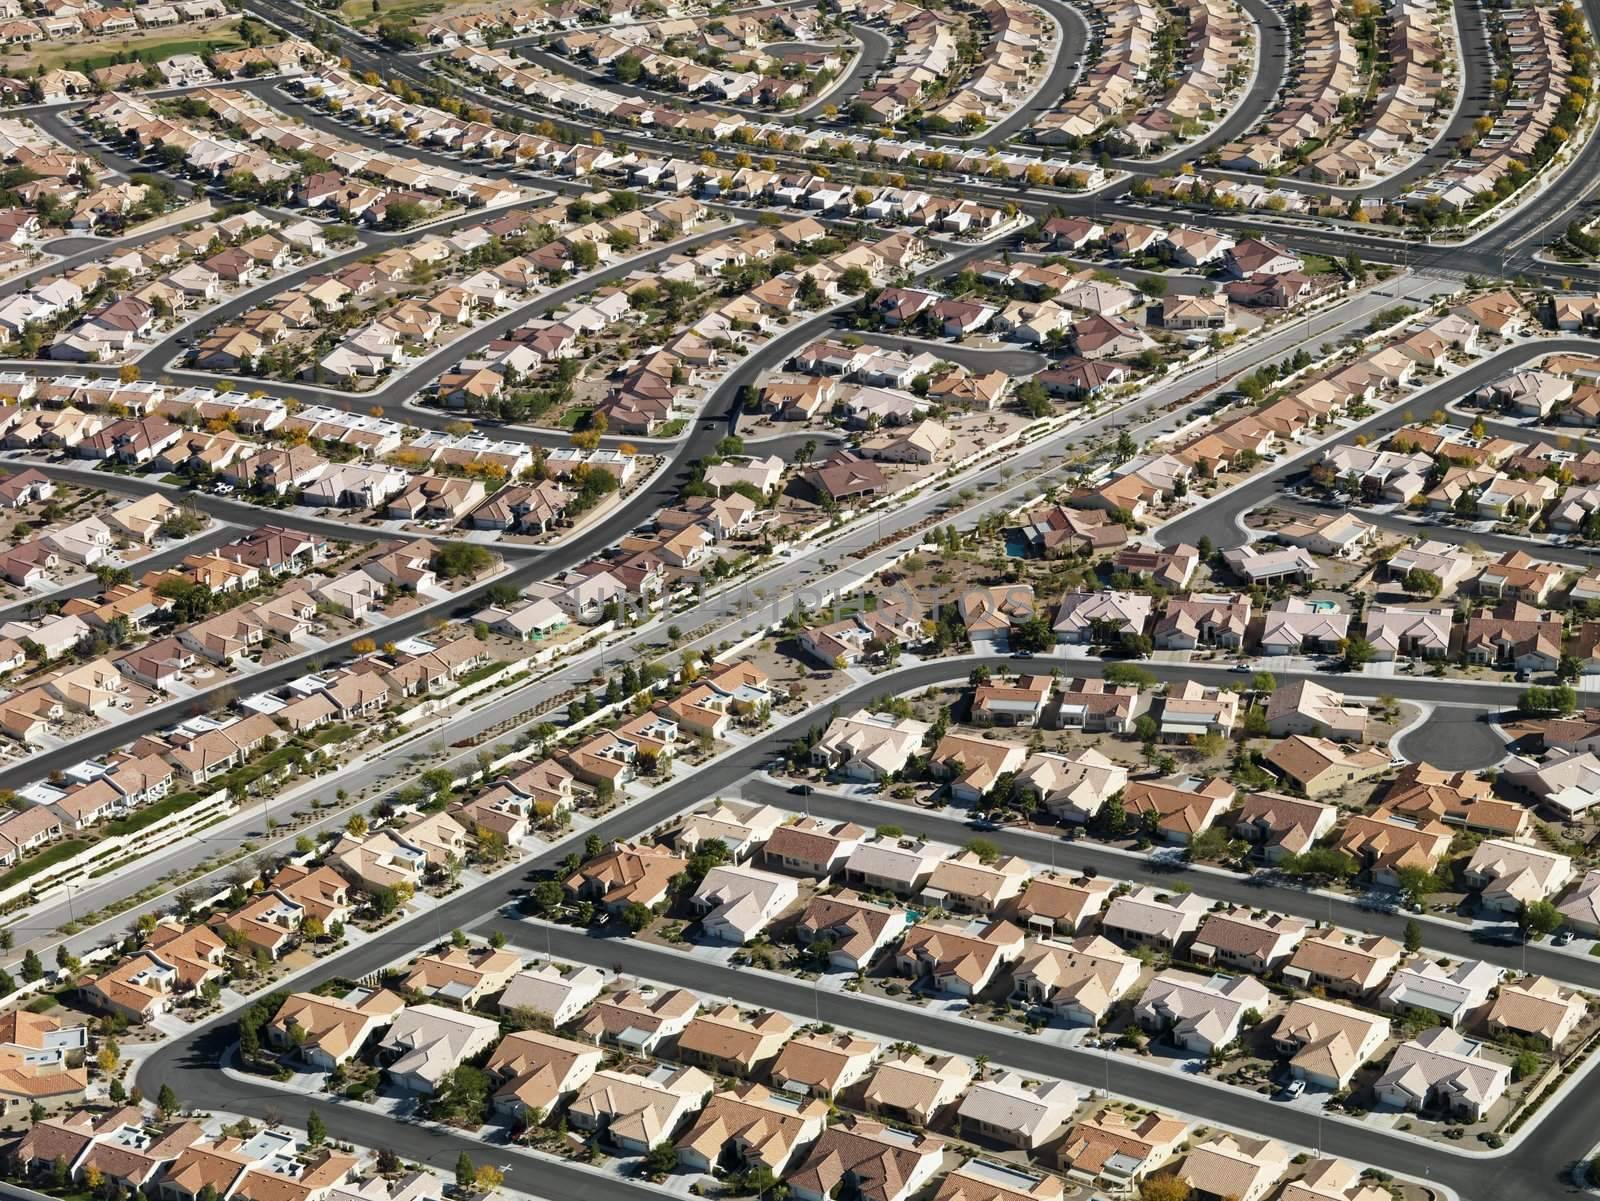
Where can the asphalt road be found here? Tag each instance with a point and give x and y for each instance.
(1456, 739)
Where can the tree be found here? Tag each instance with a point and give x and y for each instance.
(984, 849)
(488, 1178)
(1413, 935)
(454, 560)
(636, 917)
(32, 969)
(1358, 652)
(1538, 918)
(1164, 1188)
(167, 1101)
(316, 1130)
(1425, 582)
(1418, 881)
(466, 1173)
(663, 1158)
(1527, 1063)
(1264, 681)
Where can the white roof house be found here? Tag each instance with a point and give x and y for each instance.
(1452, 993)
(1512, 874)
(1581, 908)
(1569, 783)
(552, 992)
(1150, 917)
(1080, 612)
(1201, 1013)
(738, 902)
(1394, 630)
(869, 746)
(1442, 1069)
(428, 1041)
(1012, 1110)
(901, 865)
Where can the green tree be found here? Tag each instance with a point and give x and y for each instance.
(1538, 918)
(167, 1101)
(636, 917)
(316, 1130)
(1413, 935)
(466, 1173)
(32, 969)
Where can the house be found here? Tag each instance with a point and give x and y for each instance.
(1383, 844)
(1536, 1007)
(463, 976)
(1190, 710)
(1308, 709)
(1247, 941)
(1056, 904)
(1454, 993)
(974, 765)
(425, 1043)
(1199, 1013)
(1511, 875)
(823, 1064)
(752, 1127)
(1232, 1166)
(868, 746)
(915, 1088)
(1278, 566)
(635, 1112)
(854, 929)
(1018, 704)
(953, 961)
(741, 829)
(1320, 766)
(328, 1031)
(537, 1072)
(810, 846)
(736, 903)
(1326, 1042)
(638, 1019)
(1072, 787)
(1090, 617)
(1565, 783)
(1332, 1180)
(553, 992)
(625, 874)
(1343, 964)
(966, 883)
(1203, 619)
(1113, 1150)
(1177, 813)
(1296, 626)
(1396, 631)
(726, 1042)
(1442, 1070)
(1149, 917)
(1077, 981)
(142, 986)
(867, 1160)
(1005, 1109)
(1280, 825)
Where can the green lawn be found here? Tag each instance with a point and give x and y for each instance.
(49, 857)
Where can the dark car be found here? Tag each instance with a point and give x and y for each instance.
(801, 789)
